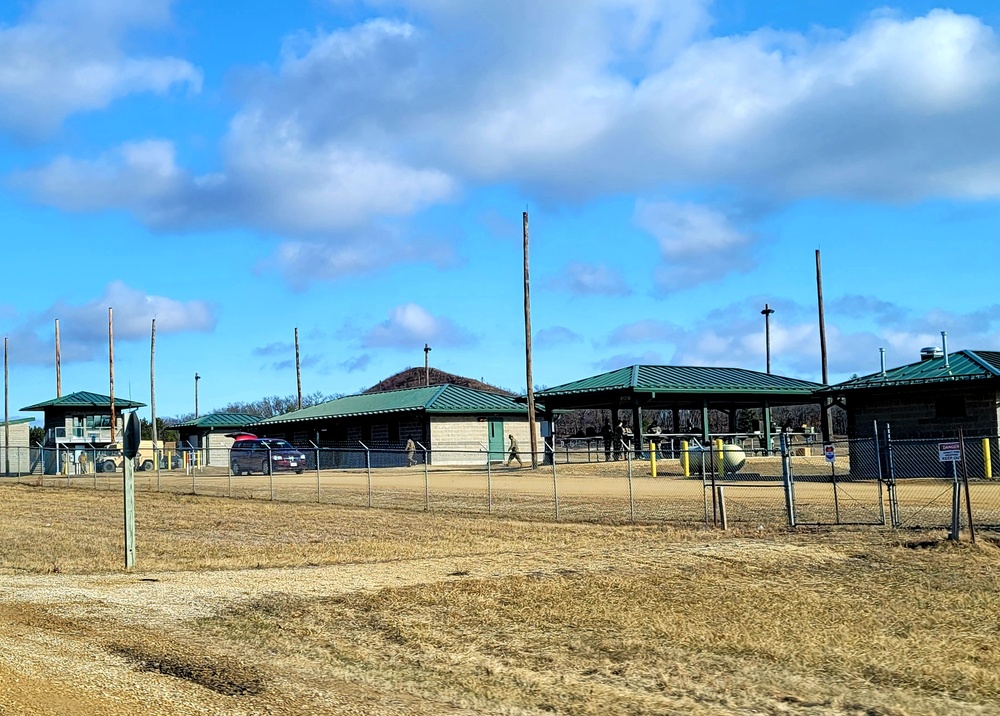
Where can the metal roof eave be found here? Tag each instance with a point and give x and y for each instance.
(875, 385)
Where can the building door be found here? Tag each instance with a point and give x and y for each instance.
(496, 446)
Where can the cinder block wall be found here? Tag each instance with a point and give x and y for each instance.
(20, 455)
(911, 411)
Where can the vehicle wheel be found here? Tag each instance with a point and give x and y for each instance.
(299, 472)
(107, 466)
(264, 467)
(146, 465)
(235, 467)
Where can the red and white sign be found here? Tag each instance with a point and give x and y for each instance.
(949, 452)
(829, 452)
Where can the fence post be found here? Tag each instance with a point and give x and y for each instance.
(724, 523)
(956, 504)
(965, 484)
(555, 488)
(317, 470)
(891, 484)
(229, 483)
(836, 497)
(631, 499)
(786, 474)
(368, 468)
(489, 483)
(878, 467)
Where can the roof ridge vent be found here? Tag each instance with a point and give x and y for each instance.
(930, 353)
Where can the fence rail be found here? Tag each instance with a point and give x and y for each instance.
(871, 481)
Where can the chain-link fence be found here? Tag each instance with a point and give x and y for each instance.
(880, 480)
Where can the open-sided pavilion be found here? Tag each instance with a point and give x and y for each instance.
(641, 388)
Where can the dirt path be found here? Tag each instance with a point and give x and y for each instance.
(55, 629)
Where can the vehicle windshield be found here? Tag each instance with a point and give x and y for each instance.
(277, 444)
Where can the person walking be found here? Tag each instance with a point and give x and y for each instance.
(515, 453)
(411, 449)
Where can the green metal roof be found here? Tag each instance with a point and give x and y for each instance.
(963, 365)
(685, 380)
(219, 421)
(84, 399)
(435, 399)
(17, 421)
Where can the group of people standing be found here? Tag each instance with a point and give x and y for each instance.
(616, 440)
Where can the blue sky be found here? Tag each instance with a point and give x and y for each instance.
(358, 169)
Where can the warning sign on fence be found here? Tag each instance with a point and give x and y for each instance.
(949, 452)
(828, 450)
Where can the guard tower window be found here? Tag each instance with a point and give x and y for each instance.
(949, 407)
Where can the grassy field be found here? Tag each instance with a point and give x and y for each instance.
(253, 607)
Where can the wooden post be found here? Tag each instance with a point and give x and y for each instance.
(822, 319)
(826, 424)
(6, 408)
(527, 349)
(58, 363)
(111, 368)
(298, 369)
(152, 390)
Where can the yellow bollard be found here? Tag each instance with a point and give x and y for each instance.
(652, 458)
(987, 462)
(720, 468)
(685, 459)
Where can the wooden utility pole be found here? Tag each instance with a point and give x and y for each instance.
(6, 408)
(152, 384)
(111, 369)
(826, 423)
(427, 364)
(298, 369)
(822, 319)
(58, 364)
(196, 379)
(527, 350)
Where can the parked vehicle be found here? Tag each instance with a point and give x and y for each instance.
(110, 458)
(266, 456)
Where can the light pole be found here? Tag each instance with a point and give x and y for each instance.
(767, 334)
(196, 379)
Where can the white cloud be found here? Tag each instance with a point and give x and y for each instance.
(584, 279)
(67, 57)
(390, 116)
(856, 327)
(556, 336)
(410, 325)
(697, 243)
(83, 327)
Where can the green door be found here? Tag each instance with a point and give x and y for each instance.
(496, 446)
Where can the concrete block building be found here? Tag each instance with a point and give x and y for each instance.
(456, 425)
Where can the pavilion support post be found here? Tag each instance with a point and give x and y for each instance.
(826, 424)
(705, 431)
(767, 428)
(675, 415)
(732, 420)
(637, 430)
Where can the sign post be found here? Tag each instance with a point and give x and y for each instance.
(130, 448)
(952, 452)
(830, 453)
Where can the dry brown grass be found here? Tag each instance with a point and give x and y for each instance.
(613, 620)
